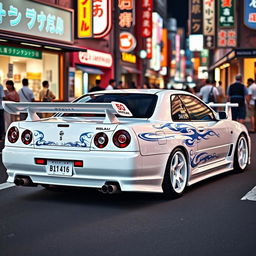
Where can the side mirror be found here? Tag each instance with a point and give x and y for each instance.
(222, 115)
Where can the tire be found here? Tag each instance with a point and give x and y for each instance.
(176, 175)
(241, 155)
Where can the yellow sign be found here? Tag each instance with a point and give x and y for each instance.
(84, 19)
(127, 57)
(34, 76)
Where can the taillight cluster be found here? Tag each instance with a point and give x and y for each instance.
(121, 139)
(13, 135)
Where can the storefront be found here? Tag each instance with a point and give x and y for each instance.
(34, 39)
(89, 66)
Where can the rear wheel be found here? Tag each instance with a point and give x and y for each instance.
(176, 174)
(241, 154)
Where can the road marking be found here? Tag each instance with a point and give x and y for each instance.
(6, 185)
(251, 195)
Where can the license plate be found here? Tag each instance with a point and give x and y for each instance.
(60, 168)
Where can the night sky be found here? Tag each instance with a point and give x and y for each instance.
(179, 10)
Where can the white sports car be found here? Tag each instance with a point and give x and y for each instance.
(124, 140)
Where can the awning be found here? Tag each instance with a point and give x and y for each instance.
(90, 70)
(126, 70)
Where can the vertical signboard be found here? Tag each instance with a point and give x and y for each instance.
(84, 19)
(250, 14)
(102, 18)
(126, 14)
(196, 16)
(209, 23)
(146, 24)
(226, 13)
(227, 38)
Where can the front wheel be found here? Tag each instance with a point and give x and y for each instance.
(241, 156)
(176, 174)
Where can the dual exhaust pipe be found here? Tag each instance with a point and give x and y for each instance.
(109, 189)
(23, 181)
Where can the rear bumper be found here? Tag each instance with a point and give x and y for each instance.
(132, 171)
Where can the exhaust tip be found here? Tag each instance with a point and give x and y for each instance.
(104, 189)
(17, 181)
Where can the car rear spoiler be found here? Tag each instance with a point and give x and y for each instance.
(227, 107)
(32, 108)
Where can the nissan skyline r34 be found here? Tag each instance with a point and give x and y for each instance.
(124, 140)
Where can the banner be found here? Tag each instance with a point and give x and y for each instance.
(196, 16)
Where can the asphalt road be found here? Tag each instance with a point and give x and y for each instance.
(210, 219)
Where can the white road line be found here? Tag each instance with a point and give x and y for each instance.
(6, 185)
(251, 195)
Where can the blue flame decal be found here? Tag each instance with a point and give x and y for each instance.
(201, 158)
(151, 136)
(189, 131)
(83, 140)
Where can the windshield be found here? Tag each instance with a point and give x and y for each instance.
(140, 105)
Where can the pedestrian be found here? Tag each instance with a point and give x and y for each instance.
(208, 93)
(220, 90)
(2, 130)
(97, 86)
(146, 86)
(46, 95)
(26, 95)
(251, 102)
(237, 93)
(119, 85)
(10, 95)
(111, 84)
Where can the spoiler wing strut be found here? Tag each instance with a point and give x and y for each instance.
(109, 109)
(227, 107)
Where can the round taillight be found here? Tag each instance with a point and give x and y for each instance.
(13, 134)
(26, 137)
(121, 139)
(101, 140)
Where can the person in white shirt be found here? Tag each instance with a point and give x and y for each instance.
(206, 90)
(251, 99)
(111, 84)
(26, 95)
(2, 130)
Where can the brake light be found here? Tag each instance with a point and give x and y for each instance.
(40, 161)
(101, 140)
(78, 163)
(13, 134)
(121, 139)
(26, 137)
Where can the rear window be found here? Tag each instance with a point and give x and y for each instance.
(140, 105)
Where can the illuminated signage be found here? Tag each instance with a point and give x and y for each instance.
(227, 38)
(209, 23)
(20, 52)
(36, 20)
(226, 13)
(146, 23)
(126, 15)
(149, 47)
(196, 16)
(128, 57)
(84, 19)
(96, 58)
(164, 52)
(102, 18)
(250, 14)
(127, 42)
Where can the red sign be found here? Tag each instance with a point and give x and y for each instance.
(127, 42)
(146, 23)
(149, 47)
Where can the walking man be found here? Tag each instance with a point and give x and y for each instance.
(251, 99)
(209, 93)
(237, 93)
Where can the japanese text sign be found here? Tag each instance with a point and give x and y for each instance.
(146, 23)
(227, 38)
(84, 19)
(126, 15)
(196, 16)
(102, 18)
(209, 17)
(250, 13)
(36, 19)
(20, 52)
(226, 13)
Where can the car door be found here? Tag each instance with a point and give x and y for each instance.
(213, 140)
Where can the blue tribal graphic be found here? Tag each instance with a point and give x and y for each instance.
(151, 136)
(189, 131)
(83, 140)
(201, 158)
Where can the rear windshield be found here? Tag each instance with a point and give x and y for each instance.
(140, 105)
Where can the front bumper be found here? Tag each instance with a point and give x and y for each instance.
(132, 171)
